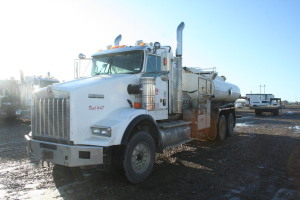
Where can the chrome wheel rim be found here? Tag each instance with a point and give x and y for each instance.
(140, 158)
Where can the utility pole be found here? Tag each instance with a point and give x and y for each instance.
(260, 89)
(264, 86)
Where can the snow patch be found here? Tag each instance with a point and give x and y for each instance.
(9, 169)
(235, 191)
(46, 194)
(3, 193)
(243, 124)
(32, 186)
(290, 112)
(295, 128)
(246, 117)
(284, 193)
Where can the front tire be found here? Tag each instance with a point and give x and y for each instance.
(139, 157)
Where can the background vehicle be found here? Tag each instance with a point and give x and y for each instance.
(264, 103)
(9, 98)
(259, 99)
(137, 100)
(273, 106)
(27, 86)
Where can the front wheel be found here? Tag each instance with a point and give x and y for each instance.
(139, 157)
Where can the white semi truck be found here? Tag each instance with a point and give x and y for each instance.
(137, 101)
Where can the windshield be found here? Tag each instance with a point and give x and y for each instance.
(119, 63)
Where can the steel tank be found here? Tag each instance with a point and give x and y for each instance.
(148, 92)
(199, 86)
(224, 91)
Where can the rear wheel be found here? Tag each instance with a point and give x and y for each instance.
(257, 112)
(221, 128)
(276, 112)
(230, 124)
(213, 131)
(139, 157)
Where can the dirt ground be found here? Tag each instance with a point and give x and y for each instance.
(260, 161)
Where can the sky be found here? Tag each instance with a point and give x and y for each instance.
(252, 43)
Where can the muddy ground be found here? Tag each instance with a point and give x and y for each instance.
(260, 161)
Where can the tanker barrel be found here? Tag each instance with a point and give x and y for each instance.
(225, 91)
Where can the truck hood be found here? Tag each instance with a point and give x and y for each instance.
(79, 84)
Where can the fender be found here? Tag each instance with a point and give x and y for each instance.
(146, 120)
(118, 121)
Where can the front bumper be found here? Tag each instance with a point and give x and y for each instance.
(62, 154)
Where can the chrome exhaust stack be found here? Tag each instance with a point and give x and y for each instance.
(118, 39)
(179, 39)
(177, 73)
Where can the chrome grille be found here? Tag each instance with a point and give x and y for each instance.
(51, 118)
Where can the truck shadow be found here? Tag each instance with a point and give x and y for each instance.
(199, 170)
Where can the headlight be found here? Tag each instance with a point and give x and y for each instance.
(102, 131)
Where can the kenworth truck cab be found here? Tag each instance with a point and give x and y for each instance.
(137, 101)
